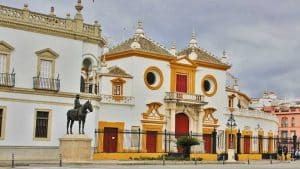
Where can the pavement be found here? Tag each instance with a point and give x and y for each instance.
(155, 164)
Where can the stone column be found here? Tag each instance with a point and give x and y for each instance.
(199, 148)
(173, 146)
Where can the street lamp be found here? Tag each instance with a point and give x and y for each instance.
(232, 124)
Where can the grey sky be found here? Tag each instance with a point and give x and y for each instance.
(261, 36)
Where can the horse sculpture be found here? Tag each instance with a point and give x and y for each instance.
(80, 117)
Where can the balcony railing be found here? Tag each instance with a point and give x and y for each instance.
(109, 99)
(46, 83)
(254, 114)
(91, 88)
(7, 79)
(184, 98)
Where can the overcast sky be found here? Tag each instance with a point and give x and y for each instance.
(262, 37)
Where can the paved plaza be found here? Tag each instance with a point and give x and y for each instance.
(170, 165)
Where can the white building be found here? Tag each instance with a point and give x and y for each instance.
(138, 85)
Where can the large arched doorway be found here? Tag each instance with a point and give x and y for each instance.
(181, 127)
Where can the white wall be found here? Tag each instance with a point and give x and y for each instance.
(24, 59)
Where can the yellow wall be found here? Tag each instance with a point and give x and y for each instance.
(244, 157)
(205, 157)
(125, 156)
(119, 125)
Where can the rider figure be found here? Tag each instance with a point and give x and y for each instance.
(77, 105)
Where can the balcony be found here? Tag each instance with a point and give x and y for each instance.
(125, 100)
(256, 114)
(185, 98)
(91, 88)
(46, 84)
(7, 80)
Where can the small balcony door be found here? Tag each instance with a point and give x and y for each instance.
(181, 83)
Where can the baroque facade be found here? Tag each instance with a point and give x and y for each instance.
(137, 86)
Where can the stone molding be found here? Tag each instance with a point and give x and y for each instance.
(24, 19)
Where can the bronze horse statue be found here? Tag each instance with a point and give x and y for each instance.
(80, 117)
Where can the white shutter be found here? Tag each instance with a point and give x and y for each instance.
(3, 63)
(46, 68)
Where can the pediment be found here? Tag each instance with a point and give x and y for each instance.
(5, 47)
(47, 53)
(184, 60)
(153, 112)
(209, 119)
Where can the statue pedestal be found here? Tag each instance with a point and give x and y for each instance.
(75, 147)
(231, 155)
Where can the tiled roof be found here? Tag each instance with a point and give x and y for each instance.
(202, 56)
(147, 45)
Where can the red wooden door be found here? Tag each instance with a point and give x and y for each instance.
(151, 141)
(181, 83)
(181, 127)
(207, 143)
(110, 140)
(246, 144)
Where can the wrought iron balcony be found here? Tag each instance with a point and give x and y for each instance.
(184, 98)
(125, 100)
(46, 83)
(7, 79)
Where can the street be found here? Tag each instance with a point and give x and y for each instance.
(256, 165)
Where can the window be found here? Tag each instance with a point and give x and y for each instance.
(2, 121)
(181, 83)
(284, 122)
(209, 85)
(284, 135)
(5, 51)
(117, 88)
(45, 68)
(42, 125)
(293, 122)
(293, 132)
(153, 78)
(230, 100)
(3, 63)
(46, 63)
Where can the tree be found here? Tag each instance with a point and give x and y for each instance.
(186, 143)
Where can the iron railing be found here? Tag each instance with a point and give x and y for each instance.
(7, 79)
(91, 88)
(46, 83)
(136, 141)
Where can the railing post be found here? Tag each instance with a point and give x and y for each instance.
(60, 160)
(165, 140)
(13, 160)
(271, 159)
(164, 160)
(139, 142)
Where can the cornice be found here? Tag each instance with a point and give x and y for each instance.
(50, 25)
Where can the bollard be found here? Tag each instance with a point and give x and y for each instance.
(13, 160)
(271, 159)
(248, 160)
(195, 161)
(223, 159)
(164, 160)
(60, 160)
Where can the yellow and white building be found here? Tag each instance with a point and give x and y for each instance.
(137, 85)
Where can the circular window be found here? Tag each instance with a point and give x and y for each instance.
(209, 85)
(153, 78)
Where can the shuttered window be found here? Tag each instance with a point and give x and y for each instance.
(181, 83)
(41, 127)
(46, 68)
(3, 61)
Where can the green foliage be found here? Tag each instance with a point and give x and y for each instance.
(187, 141)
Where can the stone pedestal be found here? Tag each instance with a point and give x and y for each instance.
(231, 155)
(75, 148)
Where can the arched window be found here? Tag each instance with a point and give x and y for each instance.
(293, 121)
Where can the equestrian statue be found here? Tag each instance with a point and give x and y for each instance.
(78, 113)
